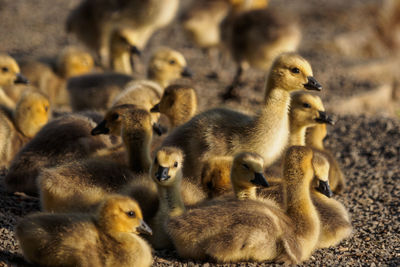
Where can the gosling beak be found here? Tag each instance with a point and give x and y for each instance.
(323, 118)
(156, 108)
(159, 129)
(187, 72)
(143, 228)
(100, 129)
(312, 84)
(134, 50)
(324, 188)
(162, 174)
(21, 79)
(259, 179)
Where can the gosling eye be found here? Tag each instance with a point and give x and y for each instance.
(114, 116)
(175, 164)
(4, 69)
(246, 166)
(172, 62)
(306, 105)
(46, 108)
(295, 70)
(131, 214)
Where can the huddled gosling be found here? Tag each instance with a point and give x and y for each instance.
(109, 237)
(20, 125)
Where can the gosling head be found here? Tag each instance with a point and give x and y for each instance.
(167, 65)
(32, 112)
(121, 214)
(112, 120)
(178, 103)
(321, 173)
(307, 110)
(9, 71)
(215, 176)
(74, 61)
(248, 171)
(291, 72)
(167, 166)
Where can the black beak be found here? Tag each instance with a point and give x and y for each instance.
(21, 79)
(312, 84)
(323, 118)
(324, 188)
(135, 50)
(143, 228)
(156, 108)
(159, 129)
(162, 174)
(100, 128)
(186, 72)
(259, 179)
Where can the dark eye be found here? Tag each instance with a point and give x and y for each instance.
(4, 69)
(306, 105)
(172, 62)
(131, 214)
(246, 166)
(295, 70)
(46, 108)
(175, 164)
(114, 116)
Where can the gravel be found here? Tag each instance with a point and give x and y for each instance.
(368, 148)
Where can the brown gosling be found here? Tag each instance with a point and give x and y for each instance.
(335, 220)
(314, 138)
(178, 103)
(254, 230)
(10, 74)
(225, 132)
(203, 21)
(17, 127)
(63, 139)
(109, 237)
(81, 185)
(110, 89)
(257, 38)
(93, 22)
(166, 172)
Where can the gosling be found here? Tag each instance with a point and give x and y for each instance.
(110, 237)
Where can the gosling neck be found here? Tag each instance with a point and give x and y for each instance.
(138, 148)
(171, 202)
(316, 135)
(242, 192)
(121, 62)
(157, 77)
(297, 135)
(299, 207)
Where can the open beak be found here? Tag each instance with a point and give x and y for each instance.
(187, 72)
(100, 128)
(159, 129)
(21, 79)
(324, 188)
(259, 179)
(156, 108)
(313, 84)
(143, 228)
(323, 118)
(162, 174)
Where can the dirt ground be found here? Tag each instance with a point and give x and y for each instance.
(366, 143)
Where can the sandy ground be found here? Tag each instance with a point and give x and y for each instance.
(367, 146)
